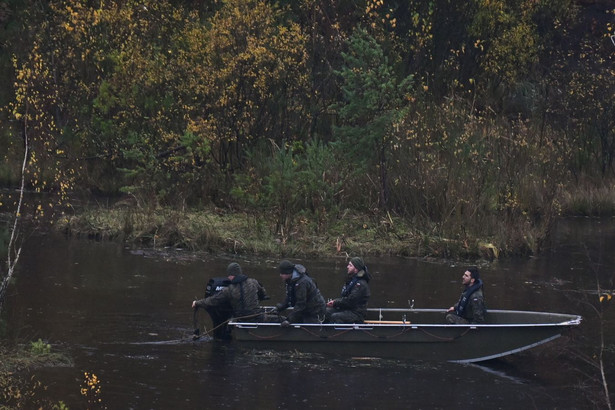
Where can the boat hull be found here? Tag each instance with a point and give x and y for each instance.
(412, 334)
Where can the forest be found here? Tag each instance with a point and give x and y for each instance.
(476, 122)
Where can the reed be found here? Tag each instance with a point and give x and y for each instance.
(589, 199)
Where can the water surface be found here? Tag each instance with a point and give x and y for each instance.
(125, 316)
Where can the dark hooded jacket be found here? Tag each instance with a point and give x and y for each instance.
(303, 296)
(242, 295)
(355, 294)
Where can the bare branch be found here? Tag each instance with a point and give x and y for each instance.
(14, 251)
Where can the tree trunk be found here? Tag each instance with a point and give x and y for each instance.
(14, 252)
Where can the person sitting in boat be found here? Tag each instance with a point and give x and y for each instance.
(302, 295)
(471, 305)
(242, 295)
(351, 306)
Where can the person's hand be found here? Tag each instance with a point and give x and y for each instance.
(193, 304)
(450, 309)
(330, 303)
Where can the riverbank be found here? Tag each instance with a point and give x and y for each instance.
(19, 387)
(350, 232)
(216, 230)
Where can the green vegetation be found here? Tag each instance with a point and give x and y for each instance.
(40, 347)
(423, 127)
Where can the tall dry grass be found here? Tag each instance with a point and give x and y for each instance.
(589, 198)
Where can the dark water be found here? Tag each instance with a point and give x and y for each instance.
(125, 316)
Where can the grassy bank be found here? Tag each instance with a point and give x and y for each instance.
(19, 387)
(218, 230)
(589, 199)
(231, 232)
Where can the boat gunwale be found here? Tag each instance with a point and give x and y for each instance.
(573, 320)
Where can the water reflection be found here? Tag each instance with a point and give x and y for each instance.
(125, 316)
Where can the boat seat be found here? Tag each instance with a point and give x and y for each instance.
(386, 322)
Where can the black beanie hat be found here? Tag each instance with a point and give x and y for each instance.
(358, 263)
(233, 269)
(286, 267)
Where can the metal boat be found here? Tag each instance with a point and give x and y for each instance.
(411, 334)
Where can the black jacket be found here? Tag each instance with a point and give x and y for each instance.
(303, 295)
(355, 294)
